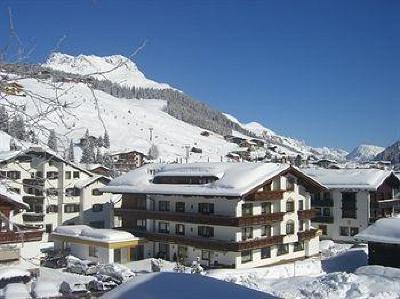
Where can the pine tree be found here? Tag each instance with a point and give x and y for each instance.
(71, 155)
(86, 156)
(4, 119)
(100, 141)
(52, 142)
(99, 156)
(13, 145)
(17, 128)
(106, 140)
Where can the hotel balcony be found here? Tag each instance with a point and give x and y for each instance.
(208, 243)
(35, 182)
(9, 237)
(32, 217)
(308, 234)
(266, 195)
(306, 214)
(199, 218)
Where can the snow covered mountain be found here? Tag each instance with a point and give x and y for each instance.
(391, 153)
(116, 68)
(128, 121)
(364, 152)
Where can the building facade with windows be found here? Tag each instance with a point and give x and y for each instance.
(50, 185)
(356, 198)
(227, 214)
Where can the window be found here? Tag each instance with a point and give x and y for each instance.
(52, 175)
(52, 163)
(49, 228)
(247, 233)
(324, 229)
(290, 206)
(267, 187)
(163, 251)
(163, 227)
(206, 208)
(298, 246)
(180, 229)
(247, 209)
(265, 252)
(76, 174)
(247, 256)
(205, 231)
(71, 208)
(32, 174)
(141, 224)
(290, 183)
(182, 252)
(266, 208)
(52, 209)
(327, 195)
(318, 211)
(92, 251)
(326, 212)
(353, 231)
(96, 192)
(97, 207)
(14, 175)
(163, 205)
(180, 207)
(117, 255)
(72, 192)
(52, 191)
(301, 205)
(283, 249)
(205, 255)
(344, 231)
(15, 190)
(290, 227)
(266, 231)
(349, 209)
(68, 175)
(39, 174)
(301, 225)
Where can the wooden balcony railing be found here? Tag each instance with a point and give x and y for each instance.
(33, 182)
(201, 218)
(322, 219)
(208, 243)
(22, 236)
(306, 214)
(266, 195)
(307, 234)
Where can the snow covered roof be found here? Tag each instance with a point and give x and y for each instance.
(10, 272)
(385, 230)
(84, 183)
(10, 196)
(234, 179)
(368, 178)
(85, 232)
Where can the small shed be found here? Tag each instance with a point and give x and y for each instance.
(383, 239)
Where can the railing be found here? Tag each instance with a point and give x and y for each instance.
(306, 214)
(22, 236)
(322, 202)
(34, 182)
(307, 234)
(33, 217)
(207, 243)
(323, 219)
(201, 218)
(266, 195)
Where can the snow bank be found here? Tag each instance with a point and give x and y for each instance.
(89, 233)
(45, 289)
(387, 272)
(386, 230)
(175, 285)
(10, 272)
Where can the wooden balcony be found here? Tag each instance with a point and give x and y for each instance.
(322, 219)
(22, 236)
(199, 218)
(266, 195)
(307, 234)
(33, 217)
(34, 182)
(306, 214)
(208, 243)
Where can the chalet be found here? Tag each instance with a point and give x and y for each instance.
(50, 185)
(234, 139)
(258, 142)
(383, 239)
(226, 214)
(101, 170)
(355, 199)
(104, 246)
(325, 163)
(248, 144)
(15, 241)
(124, 161)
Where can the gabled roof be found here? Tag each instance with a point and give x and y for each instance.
(385, 230)
(91, 180)
(233, 179)
(6, 156)
(368, 178)
(11, 197)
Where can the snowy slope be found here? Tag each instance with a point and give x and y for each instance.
(116, 68)
(364, 152)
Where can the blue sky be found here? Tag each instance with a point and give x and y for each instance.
(326, 72)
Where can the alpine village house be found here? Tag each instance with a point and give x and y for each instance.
(226, 214)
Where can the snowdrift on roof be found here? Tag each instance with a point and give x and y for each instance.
(386, 230)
